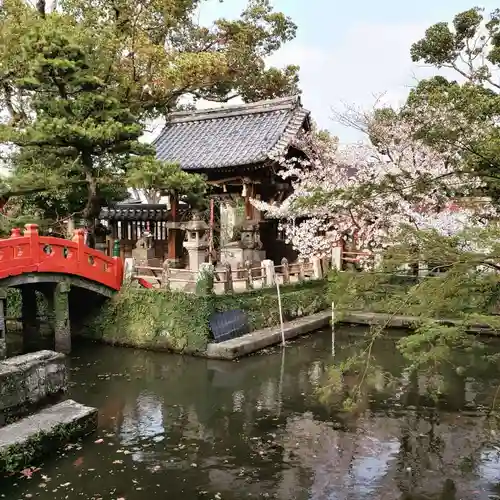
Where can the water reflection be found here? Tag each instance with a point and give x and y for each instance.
(193, 428)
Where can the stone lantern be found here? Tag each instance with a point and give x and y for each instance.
(247, 248)
(196, 242)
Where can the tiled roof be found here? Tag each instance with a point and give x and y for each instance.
(231, 136)
(135, 212)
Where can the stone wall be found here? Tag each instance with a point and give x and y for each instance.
(27, 380)
(177, 321)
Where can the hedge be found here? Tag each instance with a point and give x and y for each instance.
(177, 321)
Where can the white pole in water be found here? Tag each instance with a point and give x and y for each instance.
(280, 388)
(333, 329)
(280, 309)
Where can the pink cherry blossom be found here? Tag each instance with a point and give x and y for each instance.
(366, 192)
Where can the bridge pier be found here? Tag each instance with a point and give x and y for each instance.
(62, 328)
(29, 314)
(3, 328)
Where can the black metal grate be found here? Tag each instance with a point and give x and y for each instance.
(228, 325)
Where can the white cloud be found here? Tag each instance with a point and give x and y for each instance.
(370, 60)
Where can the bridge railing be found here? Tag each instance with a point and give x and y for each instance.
(29, 252)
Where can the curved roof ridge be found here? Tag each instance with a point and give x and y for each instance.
(265, 106)
(233, 136)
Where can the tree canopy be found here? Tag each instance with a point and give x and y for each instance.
(422, 193)
(79, 83)
(459, 109)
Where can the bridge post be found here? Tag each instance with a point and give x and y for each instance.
(29, 313)
(3, 329)
(62, 328)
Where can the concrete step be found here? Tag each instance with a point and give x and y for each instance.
(25, 442)
(28, 380)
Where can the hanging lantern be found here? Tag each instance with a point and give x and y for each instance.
(244, 191)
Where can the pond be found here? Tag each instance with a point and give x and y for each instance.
(184, 428)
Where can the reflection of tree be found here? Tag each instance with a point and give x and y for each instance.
(248, 429)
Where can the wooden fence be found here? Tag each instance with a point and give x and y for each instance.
(229, 280)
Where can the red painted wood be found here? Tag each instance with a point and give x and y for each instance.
(144, 283)
(30, 252)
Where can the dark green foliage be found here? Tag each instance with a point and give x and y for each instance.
(14, 303)
(462, 290)
(454, 295)
(161, 319)
(461, 115)
(82, 132)
(262, 305)
(78, 84)
(155, 319)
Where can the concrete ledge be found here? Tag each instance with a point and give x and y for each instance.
(260, 339)
(26, 441)
(29, 379)
(369, 319)
(400, 321)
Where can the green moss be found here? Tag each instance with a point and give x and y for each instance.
(262, 308)
(152, 318)
(14, 303)
(164, 319)
(450, 296)
(16, 457)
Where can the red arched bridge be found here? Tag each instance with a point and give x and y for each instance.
(53, 266)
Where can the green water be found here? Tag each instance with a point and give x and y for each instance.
(176, 427)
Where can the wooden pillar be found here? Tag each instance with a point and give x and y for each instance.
(62, 329)
(248, 193)
(3, 328)
(173, 230)
(29, 314)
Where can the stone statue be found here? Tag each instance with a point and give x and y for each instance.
(145, 242)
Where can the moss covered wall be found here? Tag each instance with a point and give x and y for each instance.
(14, 303)
(162, 319)
(262, 308)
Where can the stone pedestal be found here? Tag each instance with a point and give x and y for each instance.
(268, 272)
(29, 313)
(316, 267)
(144, 250)
(196, 242)
(235, 254)
(62, 329)
(247, 249)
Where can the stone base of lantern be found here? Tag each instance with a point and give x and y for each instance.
(235, 255)
(197, 255)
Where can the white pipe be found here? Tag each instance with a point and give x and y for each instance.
(333, 329)
(280, 388)
(280, 309)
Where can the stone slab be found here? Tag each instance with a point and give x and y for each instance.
(29, 379)
(260, 339)
(401, 321)
(26, 441)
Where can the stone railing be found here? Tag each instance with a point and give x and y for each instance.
(228, 280)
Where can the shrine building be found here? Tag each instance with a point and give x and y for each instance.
(235, 147)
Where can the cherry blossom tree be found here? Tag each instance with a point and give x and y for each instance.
(365, 192)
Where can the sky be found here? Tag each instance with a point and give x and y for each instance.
(352, 52)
